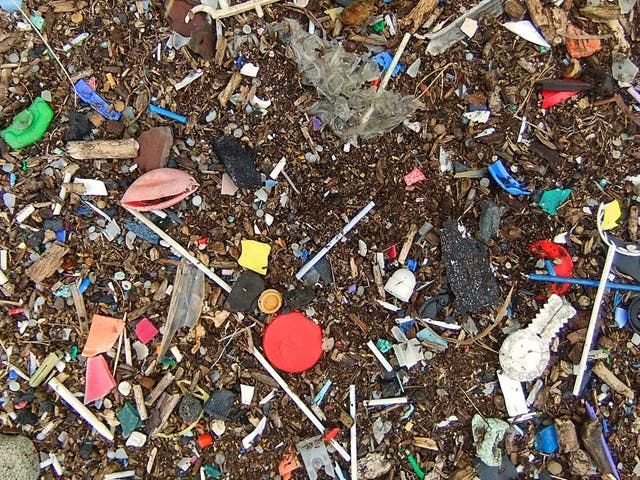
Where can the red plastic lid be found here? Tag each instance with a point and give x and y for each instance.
(292, 342)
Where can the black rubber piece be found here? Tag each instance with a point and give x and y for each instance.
(634, 314)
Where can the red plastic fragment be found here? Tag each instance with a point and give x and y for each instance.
(376, 82)
(549, 99)
(205, 440)
(292, 342)
(414, 176)
(331, 434)
(393, 252)
(15, 311)
(145, 330)
(99, 380)
(546, 249)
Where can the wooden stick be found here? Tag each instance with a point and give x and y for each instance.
(608, 377)
(180, 249)
(103, 149)
(404, 251)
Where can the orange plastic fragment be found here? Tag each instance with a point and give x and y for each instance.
(103, 334)
(580, 48)
(288, 464)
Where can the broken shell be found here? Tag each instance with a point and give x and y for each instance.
(158, 189)
(401, 284)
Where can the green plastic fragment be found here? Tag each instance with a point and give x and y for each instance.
(167, 362)
(552, 199)
(211, 471)
(416, 467)
(378, 26)
(25, 167)
(129, 419)
(74, 352)
(28, 126)
(383, 345)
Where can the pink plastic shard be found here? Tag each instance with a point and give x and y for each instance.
(145, 330)
(103, 334)
(414, 176)
(158, 189)
(99, 381)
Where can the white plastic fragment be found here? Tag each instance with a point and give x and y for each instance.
(384, 402)
(525, 29)
(24, 213)
(246, 394)
(117, 475)
(249, 70)
(478, 116)
(379, 356)
(136, 440)
(177, 354)
(124, 388)
(278, 168)
(388, 306)
(469, 27)
(353, 435)
(249, 439)
(92, 186)
(401, 284)
(191, 76)
(513, 395)
(414, 68)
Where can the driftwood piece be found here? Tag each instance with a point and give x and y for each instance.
(593, 443)
(404, 251)
(161, 414)
(48, 263)
(103, 149)
(65, 6)
(550, 21)
(162, 385)
(81, 311)
(416, 17)
(234, 83)
(608, 377)
(232, 10)
(567, 435)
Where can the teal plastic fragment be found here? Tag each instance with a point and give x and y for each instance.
(129, 419)
(211, 471)
(428, 335)
(552, 199)
(29, 125)
(383, 345)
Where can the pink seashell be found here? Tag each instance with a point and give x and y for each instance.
(159, 189)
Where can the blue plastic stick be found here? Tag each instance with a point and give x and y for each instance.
(585, 282)
(87, 94)
(167, 113)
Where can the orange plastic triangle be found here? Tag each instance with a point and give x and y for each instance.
(103, 334)
(99, 381)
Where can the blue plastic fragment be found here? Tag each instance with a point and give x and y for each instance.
(546, 440)
(142, 231)
(621, 317)
(87, 94)
(384, 59)
(405, 326)
(304, 254)
(61, 236)
(10, 5)
(500, 174)
(239, 61)
(12, 375)
(552, 199)
(428, 335)
(549, 266)
(12, 179)
(412, 265)
(84, 285)
(167, 113)
(323, 391)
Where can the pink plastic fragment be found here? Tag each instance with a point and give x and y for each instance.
(414, 176)
(103, 334)
(99, 381)
(145, 330)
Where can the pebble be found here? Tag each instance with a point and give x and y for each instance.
(18, 458)
(190, 141)
(246, 29)
(46, 95)
(554, 468)
(211, 116)
(237, 133)
(196, 200)
(14, 58)
(124, 388)
(439, 129)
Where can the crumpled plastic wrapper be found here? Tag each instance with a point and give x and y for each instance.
(342, 80)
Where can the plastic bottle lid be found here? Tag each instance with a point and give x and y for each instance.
(270, 301)
(292, 342)
(205, 440)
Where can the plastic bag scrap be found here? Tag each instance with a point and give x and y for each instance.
(341, 78)
(563, 265)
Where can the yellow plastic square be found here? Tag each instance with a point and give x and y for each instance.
(255, 256)
(612, 213)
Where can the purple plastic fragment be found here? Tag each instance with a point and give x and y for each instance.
(592, 415)
(87, 94)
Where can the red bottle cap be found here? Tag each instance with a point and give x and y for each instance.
(292, 342)
(205, 440)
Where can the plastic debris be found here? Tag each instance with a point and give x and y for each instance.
(612, 214)
(468, 271)
(129, 419)
(580, 47)
(248, 441)
(515, 402)
(546, 440)
(186, 302)
(487, 434)
(414, 176)
(624, 71)
(158, 189)
(136, 440)
(526, 30)
(219, 404)
(245, 292)
(270, 301)
(500, 174)
(103, 333)
(190, 409)
(145, 330)
(255, 256)
(163, 112)
(292, 342)
(88, 94)
(28, 126)
(384, 59)
(552, 199)
(562, 265)
(339, 77)
(524, 354)
(401, 284)
(238, 161)
(98, 379)
(551, 98)
(315, 457)
(489, 222)
(288, 464)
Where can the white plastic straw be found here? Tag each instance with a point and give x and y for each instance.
(378, 354)
(353, 433)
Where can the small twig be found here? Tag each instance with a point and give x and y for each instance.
(473, 404)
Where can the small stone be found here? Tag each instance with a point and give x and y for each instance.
(554, 468)
(124, 388)
(14, 58)
(18, 458)
(113, 127)
(439, 129)
(155, 147)
(46, 95)
(196, 200)
(85, 450)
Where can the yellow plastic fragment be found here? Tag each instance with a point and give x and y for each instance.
(612, 213)
(334, 13)
(255, 256)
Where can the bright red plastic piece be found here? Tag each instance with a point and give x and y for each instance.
(549, 98)
(99, 380)
(292, 342)
(546, 249)
(414, 176)
(331, 434)
(205, 440)
(145, 330)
